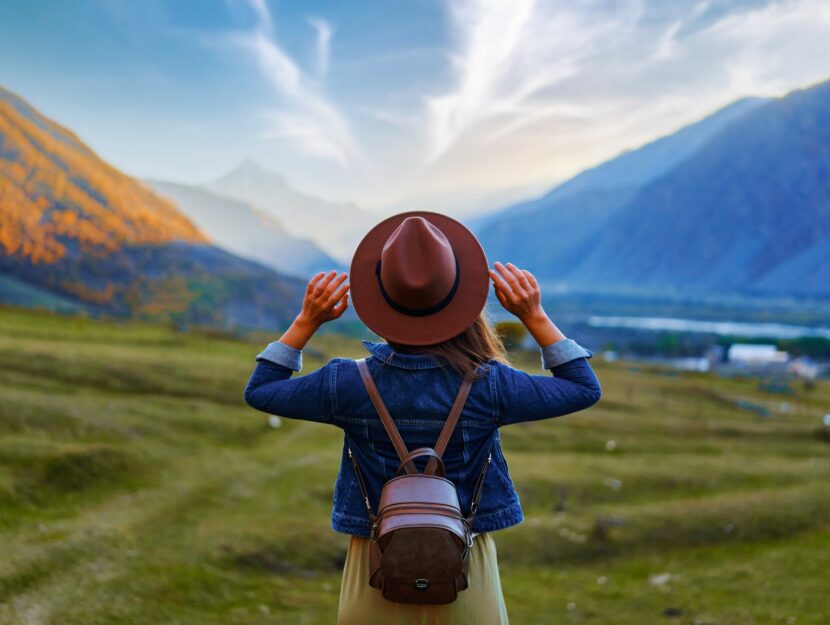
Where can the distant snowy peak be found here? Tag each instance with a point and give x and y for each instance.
(335, 226)
(243, 229)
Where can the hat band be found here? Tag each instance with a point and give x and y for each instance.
(420, 312)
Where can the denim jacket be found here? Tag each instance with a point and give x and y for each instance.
(419, 390)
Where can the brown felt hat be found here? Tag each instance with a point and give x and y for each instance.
(419, 278)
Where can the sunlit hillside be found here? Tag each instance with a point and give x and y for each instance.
(58, 198)
(77, 233)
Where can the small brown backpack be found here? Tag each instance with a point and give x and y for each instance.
(420, 540)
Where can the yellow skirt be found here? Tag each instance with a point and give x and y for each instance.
(481, 603)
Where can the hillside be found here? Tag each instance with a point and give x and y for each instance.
(578, 208)
(136, 487)
(58, 199)
(73, 226)
(742, 208)
(246, 230)
(748, 212)
(334, 226)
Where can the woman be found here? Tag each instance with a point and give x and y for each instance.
(420, 280)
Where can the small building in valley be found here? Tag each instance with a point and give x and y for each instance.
(756, 355)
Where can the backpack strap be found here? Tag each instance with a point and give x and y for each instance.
(385, 417)
(477, 492)
(400, 447)
(449, 425)
(425, 451)
(372, 515)
(389, 424)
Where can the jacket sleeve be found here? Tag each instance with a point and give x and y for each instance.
(271, 388)
(572, 386)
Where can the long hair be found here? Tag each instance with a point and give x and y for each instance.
(466, 351)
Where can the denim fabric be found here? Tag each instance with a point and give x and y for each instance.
(418, 391)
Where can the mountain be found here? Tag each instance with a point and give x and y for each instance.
(75, 227)
(247, 231)
(58, 198)
(748, 212)
(736, 204)
(578, 208)
(337, 227)
(467, 204)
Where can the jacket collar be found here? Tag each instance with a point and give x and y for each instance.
(385, 353)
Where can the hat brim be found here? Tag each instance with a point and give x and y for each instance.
(463, 309)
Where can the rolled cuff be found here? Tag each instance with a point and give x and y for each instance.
(563, 351)
(282, 354)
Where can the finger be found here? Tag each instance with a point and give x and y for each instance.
(531, 278)
(322, 284)
(332, 286)
(501, 289)
(338, 295)
(499, 284)
(510, 279)
(505, 302)
(502, 298)
(342, 305)
(519, 276)
(313, 281)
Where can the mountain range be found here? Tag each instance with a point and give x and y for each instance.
(735, 204)
(738, 203)
(336, 227)
(76, 228)
(246, 230)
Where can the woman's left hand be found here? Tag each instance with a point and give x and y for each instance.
(326, 298)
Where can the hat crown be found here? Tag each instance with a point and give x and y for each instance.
(418, 266)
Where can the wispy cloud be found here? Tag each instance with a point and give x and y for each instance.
(259, 7)
(508, 51)
(324, 33)
(560, 85)
(535, 90)
(305, 116)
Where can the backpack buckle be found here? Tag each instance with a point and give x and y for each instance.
(373, 534)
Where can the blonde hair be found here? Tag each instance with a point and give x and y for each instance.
(466, 351)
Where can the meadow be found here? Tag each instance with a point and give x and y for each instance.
(137, 487)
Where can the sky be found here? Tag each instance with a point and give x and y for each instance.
(389, 103)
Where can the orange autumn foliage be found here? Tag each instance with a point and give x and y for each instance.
(57, 195)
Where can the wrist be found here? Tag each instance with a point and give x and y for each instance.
(542, 329)
(299, 332)
(304, 324)
(535, 319)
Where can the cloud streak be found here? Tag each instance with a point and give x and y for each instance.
(324, 33)
(511, 50)
(306, 117)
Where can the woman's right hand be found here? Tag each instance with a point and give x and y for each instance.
(518, 291)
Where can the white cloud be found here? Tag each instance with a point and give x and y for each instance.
(545, 88)
(324, 33)
(393, 118)
(510, 50)
(774, 48)
(263, 15)
(305, 117)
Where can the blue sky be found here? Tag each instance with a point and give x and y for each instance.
(384, 102)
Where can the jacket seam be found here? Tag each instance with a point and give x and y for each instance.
(335, 409)
(494, 398)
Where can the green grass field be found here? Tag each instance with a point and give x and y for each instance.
(137, 487)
